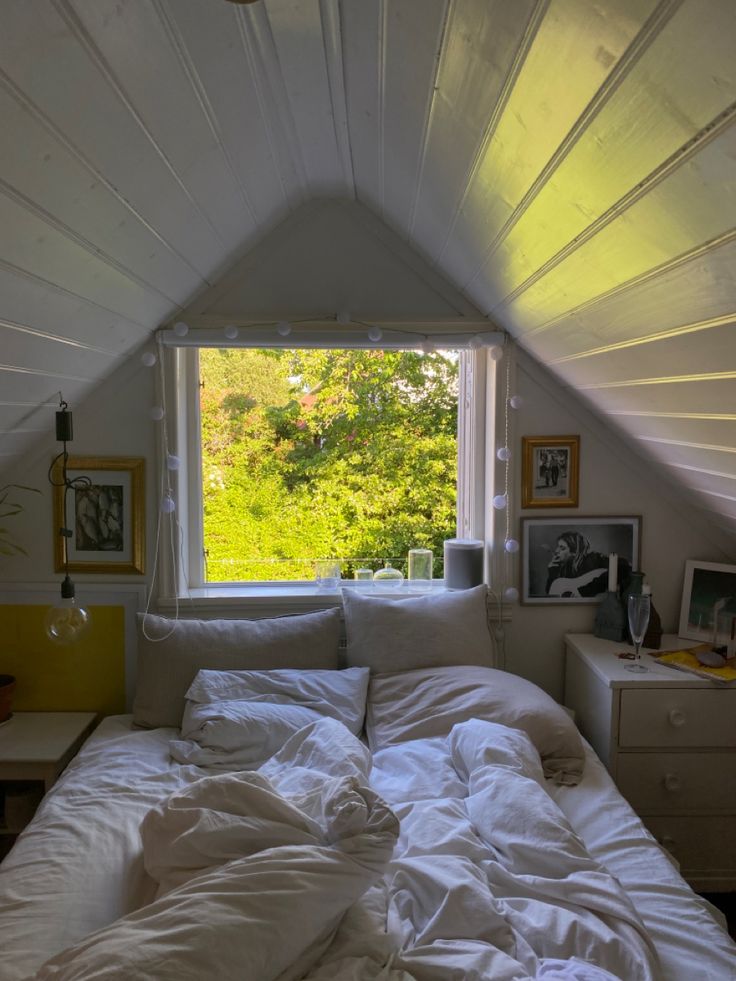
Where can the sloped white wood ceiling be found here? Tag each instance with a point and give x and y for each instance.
(569, 165)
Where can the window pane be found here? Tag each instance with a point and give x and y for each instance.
(311, 454)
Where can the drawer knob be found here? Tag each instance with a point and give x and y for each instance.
(672, 782)
(677, 718)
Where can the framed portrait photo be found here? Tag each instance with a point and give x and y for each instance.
(567, 562)
(708, 608)
(550, 467)
(104, 513)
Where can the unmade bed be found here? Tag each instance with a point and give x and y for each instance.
(283, 820)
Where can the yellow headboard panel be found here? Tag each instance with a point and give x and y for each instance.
(88, 675)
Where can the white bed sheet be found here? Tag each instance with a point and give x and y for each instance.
(79, 864)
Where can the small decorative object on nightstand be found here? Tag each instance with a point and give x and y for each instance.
(609, 618)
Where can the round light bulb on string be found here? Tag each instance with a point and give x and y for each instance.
(511, 545)
(231, 332)
(181, 329)
(375, 334)
(504, 453)
(283, 329)
(495, 352)
(343, 317)
(172, 462)
(475, 342)
(427, 347)
(156, 413)
(499, 502)
(148, 358)
(511, 594)
(516, 401)
(168, 505)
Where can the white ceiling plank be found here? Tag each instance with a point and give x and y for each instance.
(44, 251)
(29, 350)
(300, 48)
(576, 50)
(482, 43)
(157, 87)
(662, 102)
(362, 32)
(712, 396)
(695, 204)
(414, 31)
(73, 92)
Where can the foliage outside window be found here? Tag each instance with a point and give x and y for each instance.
(325, 453)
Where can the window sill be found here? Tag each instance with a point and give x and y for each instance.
(279, 599)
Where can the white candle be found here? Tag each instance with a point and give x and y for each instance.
(612, 572)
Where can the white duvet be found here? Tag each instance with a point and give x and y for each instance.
(288, 872)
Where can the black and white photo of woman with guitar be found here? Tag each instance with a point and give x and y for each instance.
(577, 570)
(578, 560)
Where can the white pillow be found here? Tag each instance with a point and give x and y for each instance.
(419, 631)
(170, 652)
(239, 719)
(429, 702)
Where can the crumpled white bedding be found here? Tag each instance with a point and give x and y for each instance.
(520, 913)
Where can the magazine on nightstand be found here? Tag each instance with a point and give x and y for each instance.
(686, 660)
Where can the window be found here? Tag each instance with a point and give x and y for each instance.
(311, 453)
(405, 433)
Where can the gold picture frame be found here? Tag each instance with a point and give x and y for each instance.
(550, 471)
(106, 517)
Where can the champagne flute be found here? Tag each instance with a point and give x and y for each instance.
(639, 605)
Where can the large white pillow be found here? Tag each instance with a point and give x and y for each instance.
(170, 652)
(418, 631)
(239, 719)
(429, 702)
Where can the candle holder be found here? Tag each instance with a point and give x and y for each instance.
(609, 619)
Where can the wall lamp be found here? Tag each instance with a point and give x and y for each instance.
(66, 620)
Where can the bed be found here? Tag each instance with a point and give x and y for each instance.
(276, 808)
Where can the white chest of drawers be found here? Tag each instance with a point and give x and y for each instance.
(669, 742)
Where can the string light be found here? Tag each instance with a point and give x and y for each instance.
(181, 329)
(156, 413)
(499, 502)
(375, 333)
(172, 462)
(283, 329)
(511, 594)
(511, 545)
(343, 318)
(427, 347)
(504, 453)
(148, 359)
(516, 401)
(168, 505)
(495, 352)
(231, 332)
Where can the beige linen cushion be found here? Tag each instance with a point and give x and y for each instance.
(167, 667)
(417, 632)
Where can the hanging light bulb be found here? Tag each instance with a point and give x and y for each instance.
(516, 401)
(476, 341)
(231, 332)
(156, 413)
(375, 334)
(504, 453)
(181, 329)
(172, 462)
(511, 594)
(495, 352)
(66, 620)
(283, 329)
(343, 317)
(511, 545)
(148, 358)
(499, 502)
(168, 505)
(427, 346)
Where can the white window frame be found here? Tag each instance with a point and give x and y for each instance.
(180, 563)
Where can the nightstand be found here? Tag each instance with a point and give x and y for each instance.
(668, 739)
(34, 749)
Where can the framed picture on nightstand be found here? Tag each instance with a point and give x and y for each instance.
(708, 608)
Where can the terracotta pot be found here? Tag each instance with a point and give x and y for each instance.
(7, 687)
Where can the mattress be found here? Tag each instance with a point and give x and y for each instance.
(79, 865)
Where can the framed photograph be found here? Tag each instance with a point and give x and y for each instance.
(106, 517)
(568, 561)
(708, 609)
(550, 471)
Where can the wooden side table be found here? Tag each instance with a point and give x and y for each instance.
(34, 749)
